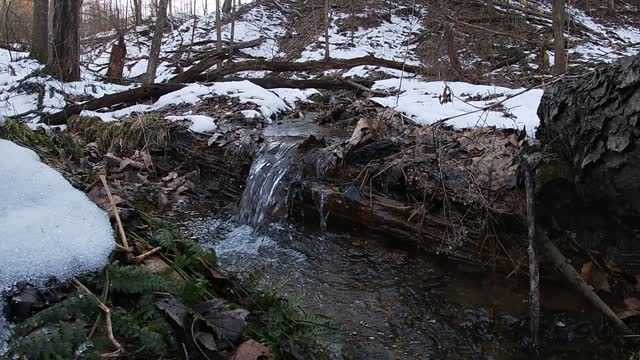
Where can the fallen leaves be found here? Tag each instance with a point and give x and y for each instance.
(594, 276)
(251, 350)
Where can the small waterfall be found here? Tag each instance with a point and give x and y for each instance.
(265, 198)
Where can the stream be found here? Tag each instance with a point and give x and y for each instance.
(388, 300)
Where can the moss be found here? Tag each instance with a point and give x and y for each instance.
(554, 169)
(149, 131)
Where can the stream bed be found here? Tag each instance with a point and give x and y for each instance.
(388, 300)
(391, 302)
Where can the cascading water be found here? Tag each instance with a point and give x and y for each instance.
(265, 198)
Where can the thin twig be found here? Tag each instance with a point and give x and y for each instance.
(107, 316)
(123, 236)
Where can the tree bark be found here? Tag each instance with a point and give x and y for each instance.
(452, 52)
(64, 62)
(327, 24)
(129, 96)
(490, 7)
(534, 264)
(40, 31)
(137, 8)
(611, 7)
(226, 7)
(316, 65)
(156, 43)
(233, 29)
(117, 58)
(218, 31)
(560, 63)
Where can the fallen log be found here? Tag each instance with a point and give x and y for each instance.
(129, 96)
(211, 60)
(156, 90)
(316, 66)
(275, 83)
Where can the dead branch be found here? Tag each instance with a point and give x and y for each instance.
(123, 236)
(316, 66)
(107, 316)
(532, 250)
(576, 280)
(211, 60)
(129, 96)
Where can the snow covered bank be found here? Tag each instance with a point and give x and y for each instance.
(268, 102)
(47, 228)
(420, 100)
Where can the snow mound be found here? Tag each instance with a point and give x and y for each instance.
(247, 92)
(420, 101)
(47, 228)
(199, 123)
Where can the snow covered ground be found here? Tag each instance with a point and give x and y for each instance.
(22, 86)
(383, 41)
(420, 100)
(48, 228)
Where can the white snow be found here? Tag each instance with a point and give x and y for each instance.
(199, 123)
(267, 101)
(48, 228)
(291, 96)
(420, 101)
(384, 41)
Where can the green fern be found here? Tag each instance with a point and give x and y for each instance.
(129, 279)
(55, 341)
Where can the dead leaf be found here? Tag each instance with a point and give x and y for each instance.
(632, 303)
(132, 164)
(628, 313)
(251, 350)
(172, 175)
(595, 277)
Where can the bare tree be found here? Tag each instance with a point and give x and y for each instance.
(560, 63)
(233, 29)
(40, 31)
(327, 8)
(218, 31)
(611, 7)
(226, 6)
(64, 59)
(137, 11)
(156, 43)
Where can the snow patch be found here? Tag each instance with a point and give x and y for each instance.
(48, 228)
(199, 123)
(420, 101)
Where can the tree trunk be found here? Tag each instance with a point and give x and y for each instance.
(560, 63)
(226, 7)
(611, 7)
(64, 62)
(490, 7)
(156, 43)
(218, 31)
(590, 126)
(40, 31)
(452, 52)
(117, 58)
(137, 8)
(233, 29)
(327, 24)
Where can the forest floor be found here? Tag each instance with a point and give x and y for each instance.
(441, 174)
